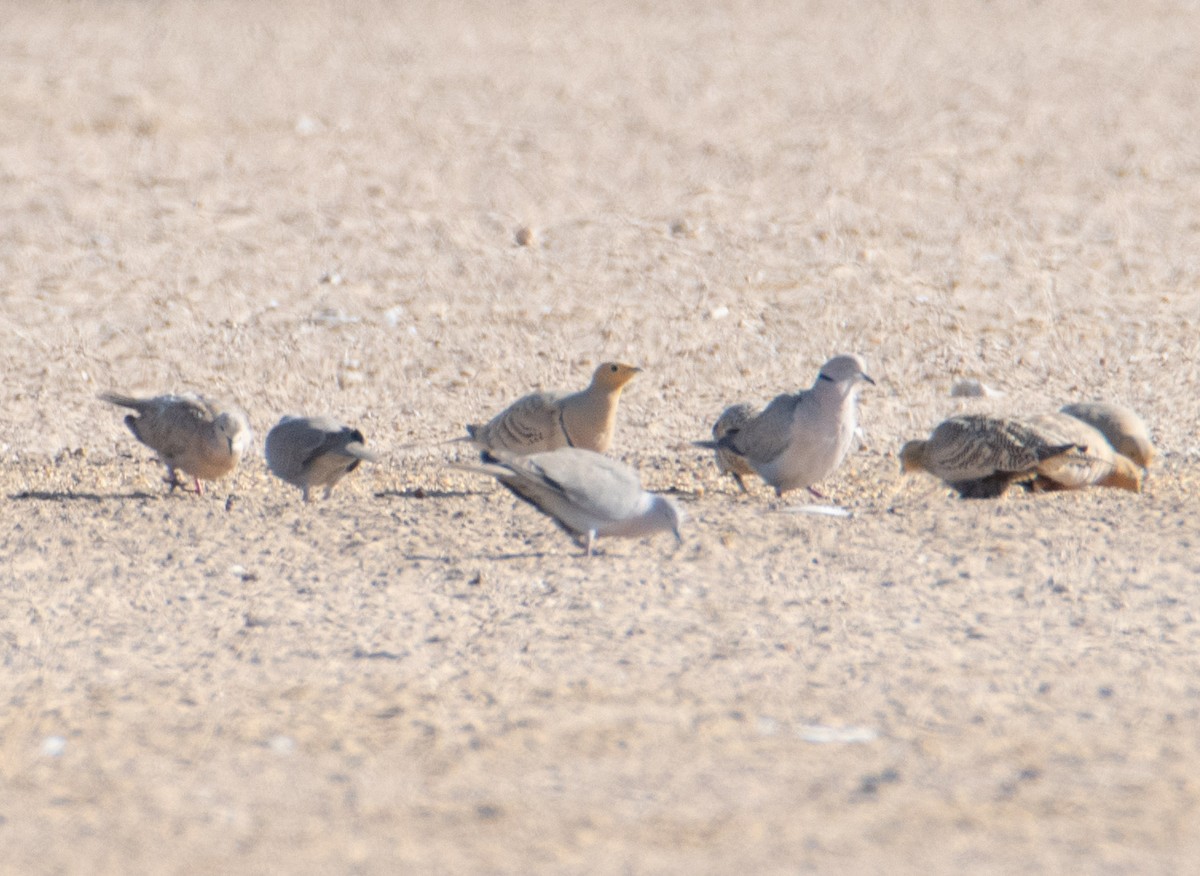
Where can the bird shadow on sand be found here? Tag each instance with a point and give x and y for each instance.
(66, 496)
(422, 493)
(456, 558)
(681, 493)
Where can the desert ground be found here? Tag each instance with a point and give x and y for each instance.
(406, 216)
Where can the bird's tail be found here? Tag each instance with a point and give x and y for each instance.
(464, 439)
(491, 469)
(1058, 450)
(359, 451)
(124, 401)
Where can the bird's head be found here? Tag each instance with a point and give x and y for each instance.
(612, 376)
(669, 516)
(912, 456)
(235, 429)
(846, 372)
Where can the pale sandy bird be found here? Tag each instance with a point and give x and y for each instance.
(587, 494)
(981, 456)
(202, 438)
(548, 420)
(799, 440)
(1093, 462)
(732, 419)
(312, 452)
(1125, 431)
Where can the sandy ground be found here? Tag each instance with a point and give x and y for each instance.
(312, 208)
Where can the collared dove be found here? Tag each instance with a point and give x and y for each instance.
(1121, 427)
(205, 439)
(312, 452)
(548, 420)
(732, 419)
(1093, 462)
(587, 494)
(981, 456)
(799, 440)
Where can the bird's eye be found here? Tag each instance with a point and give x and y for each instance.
(613, 369)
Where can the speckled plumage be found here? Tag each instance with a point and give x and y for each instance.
(545, 421)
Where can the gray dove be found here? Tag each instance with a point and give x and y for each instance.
(312, 452)
(801, 439)
(587, 494)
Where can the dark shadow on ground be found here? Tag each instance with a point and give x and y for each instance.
(65, 496)
(422, 493)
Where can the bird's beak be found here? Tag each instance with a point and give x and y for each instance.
(868, 379)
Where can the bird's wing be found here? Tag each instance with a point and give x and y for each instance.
(764, 437)
(530, 424)
(971, 447)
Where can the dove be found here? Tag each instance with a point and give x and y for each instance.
(1124, 430)
(204, 439)
(729, 462)
(799, 440)
(547, 420)
(586, 493)
(312, 452)
(1093, 462)
(981, 456)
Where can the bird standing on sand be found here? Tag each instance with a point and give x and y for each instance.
(545, 421)
(202, 438)
(801, 439)
(587, 494)
(732, 419)
(312, 452)
(981, 456)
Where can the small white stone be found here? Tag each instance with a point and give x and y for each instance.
(820, 510)
(823, 734)
(54, 746)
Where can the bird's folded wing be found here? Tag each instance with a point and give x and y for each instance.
(768, 435)
(530, 421)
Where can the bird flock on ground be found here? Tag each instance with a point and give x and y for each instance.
(549, 448)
